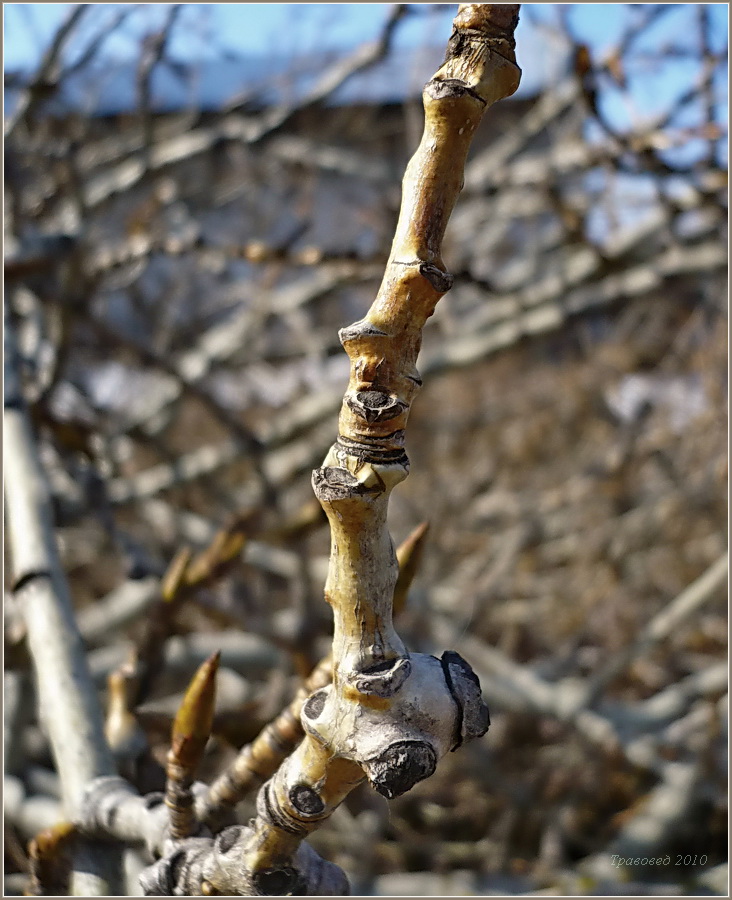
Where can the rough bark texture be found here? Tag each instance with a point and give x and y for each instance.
(389, 716)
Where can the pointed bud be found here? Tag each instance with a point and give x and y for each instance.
(232, 547)
(409, 555)
(124, 735)
(51, 841)
(194, 720)
(49, 864)
(226, 545)
(175, 575)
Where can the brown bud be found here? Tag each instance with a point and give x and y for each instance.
(409, 555)
(194, 720)
(175, 575)
(493, 19)
(51, 841)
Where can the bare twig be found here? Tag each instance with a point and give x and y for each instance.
(191, 731)
(234, 127)
(46, 77)
(68, 700)
(704, 589)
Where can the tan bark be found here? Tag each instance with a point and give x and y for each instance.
(389, 715)
(259, 760)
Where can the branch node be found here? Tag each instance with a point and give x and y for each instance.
(440, 281)
(360, 329)
(376, 406)
(275, 882)
(451, 89)
(401, 766)
(334, 483)
(385, 678)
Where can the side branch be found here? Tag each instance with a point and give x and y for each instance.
(67, 696)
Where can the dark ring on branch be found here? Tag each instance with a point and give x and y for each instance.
(150, 801)
(99, 802)
(371, 453)
(444, 662)
(464, 686)
(174, 869)
(179, 797)
(474, 36)
(269, 809)
(276, 741)
(27, 577)
(441, 89)
(496, 41)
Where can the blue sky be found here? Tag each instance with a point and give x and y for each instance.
(237, 27)
(262, 27)
(208, 31)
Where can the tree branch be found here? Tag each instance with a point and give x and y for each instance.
(389, 715)
(68, 700)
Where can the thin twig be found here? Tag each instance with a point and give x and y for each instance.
(701, 591)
